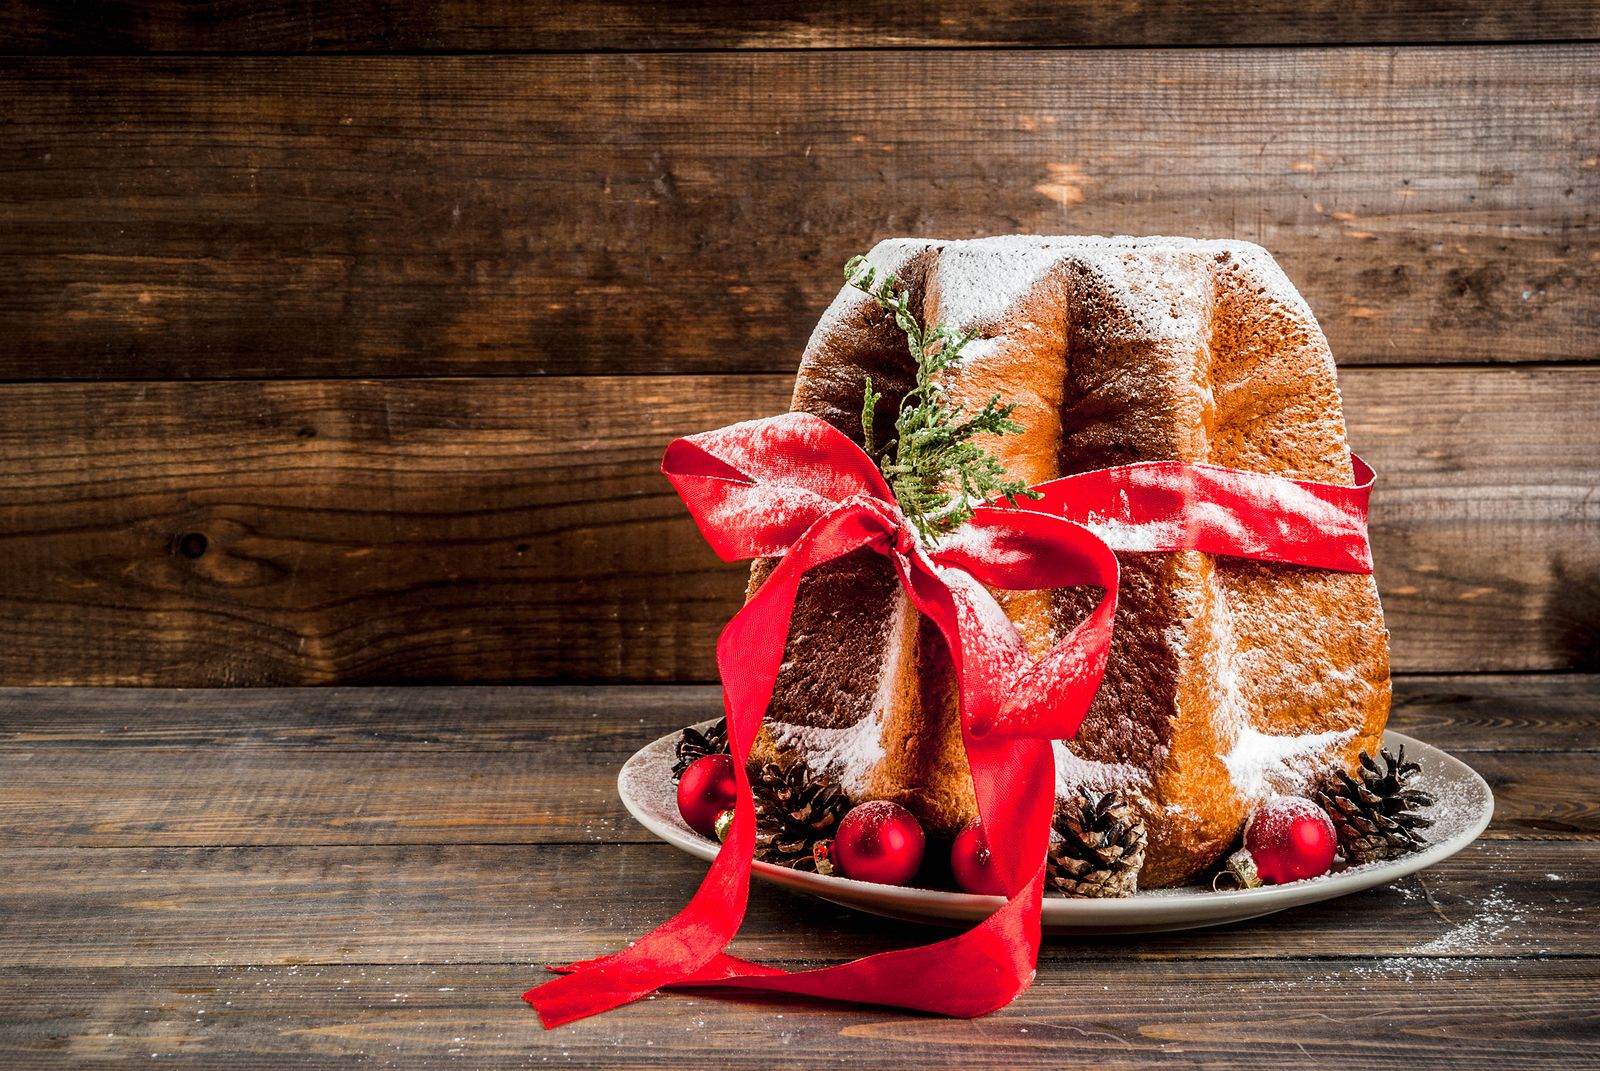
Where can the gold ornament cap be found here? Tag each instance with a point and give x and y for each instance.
(1239, 873)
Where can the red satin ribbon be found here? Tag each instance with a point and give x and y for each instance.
(796, 488)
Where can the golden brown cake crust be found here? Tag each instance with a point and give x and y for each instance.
(1228, 679)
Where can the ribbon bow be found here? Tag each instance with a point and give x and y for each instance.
(794, 487)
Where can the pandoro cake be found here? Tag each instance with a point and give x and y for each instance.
(1228, 680)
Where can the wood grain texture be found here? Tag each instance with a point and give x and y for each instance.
(1462, 714)
(256, 533)
(180, 797)
(496, 904)
(380, 951)
(444, 530)
(1458, 486)
(324, 216)
(1389, 1013)
(60, 26)
(1488, 713)
(610, 720)
(622, 248)
(209, 797)
(164, 778)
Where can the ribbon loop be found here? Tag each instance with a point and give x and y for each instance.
(753, 488)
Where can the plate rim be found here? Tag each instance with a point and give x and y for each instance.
(1149, 910)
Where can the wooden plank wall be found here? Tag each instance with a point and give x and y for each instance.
(341, 346)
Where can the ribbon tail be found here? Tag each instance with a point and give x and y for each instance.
(749, 653)
(716, 971)
(965, 976)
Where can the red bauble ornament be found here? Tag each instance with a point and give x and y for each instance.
(973, 865)
(878, 841)
(706, 789)
(1289, 838)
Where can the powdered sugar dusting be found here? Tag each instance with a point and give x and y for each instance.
(1262, 763)
(1159, 290)
(888, 257)
(1259, 764)
(978, 281)
(1495, 914)
(989, 543)
(848, 754)
(889, 674)
(987, 634)
(1136, 537)
(845, 754)
(1074, 771)
(1142, 315)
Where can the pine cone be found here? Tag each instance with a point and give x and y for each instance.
(694, 745)
(1377, 816)
(795, 809)
(1101, 849)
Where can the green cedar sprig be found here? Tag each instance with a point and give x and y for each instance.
(936, 472)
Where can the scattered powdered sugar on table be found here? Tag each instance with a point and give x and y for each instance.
(1494, 915)
(1389, 969)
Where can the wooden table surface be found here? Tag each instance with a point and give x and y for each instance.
(371, 877)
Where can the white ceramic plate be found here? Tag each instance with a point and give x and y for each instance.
(1463, 810)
